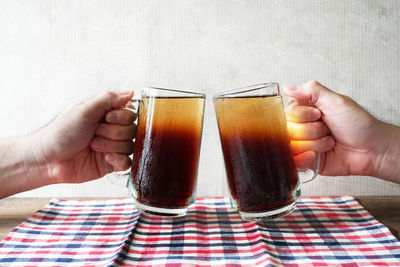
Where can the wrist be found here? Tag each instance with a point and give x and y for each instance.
(386, 164)
(36, 165)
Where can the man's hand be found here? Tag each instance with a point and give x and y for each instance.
(84, 142)
(351, 140)
(88, 140)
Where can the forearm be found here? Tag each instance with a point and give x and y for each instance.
(20, 168)
(387, 164)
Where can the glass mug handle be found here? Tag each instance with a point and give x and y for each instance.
(307, 175)
(121, 178)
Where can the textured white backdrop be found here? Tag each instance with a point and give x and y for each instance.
(53, 53)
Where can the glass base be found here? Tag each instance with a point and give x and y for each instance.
(160, 211)
(267, 215)
(166, 212)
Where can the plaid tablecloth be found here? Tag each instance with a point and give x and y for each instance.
(322, 231)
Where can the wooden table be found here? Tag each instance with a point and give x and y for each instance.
(15, 210)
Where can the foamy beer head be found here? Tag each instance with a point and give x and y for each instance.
(166, 153)
(261, 172)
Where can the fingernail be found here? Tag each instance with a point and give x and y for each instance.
(111, 117)
(330, 143)
(96, 144)
(315, 113)
(110, 157)
(125, 92)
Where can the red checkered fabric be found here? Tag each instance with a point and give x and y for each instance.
(322, 231)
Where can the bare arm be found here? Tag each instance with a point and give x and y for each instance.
(20, 169)
(84, 142)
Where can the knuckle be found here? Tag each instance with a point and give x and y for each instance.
(109, 94)
(313, 83)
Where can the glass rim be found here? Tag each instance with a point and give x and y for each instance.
(196, 94)
(245, 89)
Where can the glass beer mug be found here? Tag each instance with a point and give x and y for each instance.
(163, 176)
(263, 180)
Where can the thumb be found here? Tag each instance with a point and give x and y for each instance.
(97, 107)
(316, 94)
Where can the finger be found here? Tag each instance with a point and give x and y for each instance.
(116, 132)
(296, 113)
(96, 108)
(289, 101)
(119, 162)
(121, 116)
(100, 144)
(321, 145)
(317, 95)
(132, 104)
(307, 130)
(305, 160)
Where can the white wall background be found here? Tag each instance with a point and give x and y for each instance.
(53, 53)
